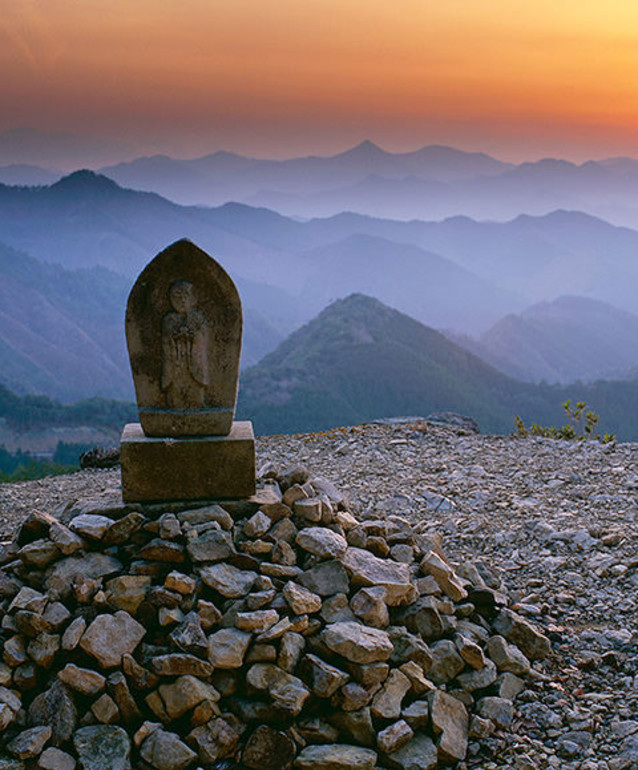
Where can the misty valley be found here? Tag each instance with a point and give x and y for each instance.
(373, 284)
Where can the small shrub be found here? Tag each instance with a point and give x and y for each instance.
(581, 424)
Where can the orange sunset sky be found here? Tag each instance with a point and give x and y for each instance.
(519, 79)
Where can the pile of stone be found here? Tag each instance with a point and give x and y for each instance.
(272, 633)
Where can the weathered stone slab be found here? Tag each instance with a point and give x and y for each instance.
(357, 643)
(335, 756)
(200, 468)
(183, 331)
(368, 570)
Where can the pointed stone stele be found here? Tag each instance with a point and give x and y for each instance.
(183, 331)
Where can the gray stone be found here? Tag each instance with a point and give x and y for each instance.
(448, 581)
(290, 648)
(478, 680)
(59, 578)
(522, 633)
(408, 647)
(185, 693)
(368, 570)
(257, 621)
(127, 592)
(109, 637)
(227, 648)
(165, 751)
(336, 609)
(105, 710)
(450, 721)
(386, 704)
(394, 736)
(229, 581)
(189, 635)
(417, 714)
(288, 692)
(43, 648)
(335, 756)
(212, 546)
(446, 662)
(213, 740)
(357, 643)
(268, 749)
(499, 710)
(54, 707)
(369, 605)
(179, 663)
(39, 553)
(300, 600)
(418, 754)
(83, 680)
(323, 679)
(28, 599)
(121, 531)
(507, 657)
(326, 578)
(90, 526)
(55, 759)
(29, 743)
(73, 633)
(322, 542)
(356, 725)
(423, 618)
(66, 541)
(103, 747)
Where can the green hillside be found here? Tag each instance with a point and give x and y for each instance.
(360, 360)
(24, 413)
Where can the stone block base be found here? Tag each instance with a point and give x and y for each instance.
(197, 468)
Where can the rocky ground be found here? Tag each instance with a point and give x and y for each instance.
(555, 521)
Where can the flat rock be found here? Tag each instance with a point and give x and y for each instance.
(179, 664)
(386, 704)
(227, 648)
(59, 577)
(326, 578)
(369, 570)
(109, 637)
(300, 600)
(450, 721)
(417, 754)
(229, 581)
(83, 680)
(268, 749)
(103, 747)
(322, 542)
(55, 759)
(54, 707)
(29, 743)
(184, 694)
(91, 526)
(357, 643)
(165, 751)
(336, 756)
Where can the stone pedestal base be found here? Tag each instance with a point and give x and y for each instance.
(197, 468)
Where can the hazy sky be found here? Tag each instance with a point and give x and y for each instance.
(516, 78)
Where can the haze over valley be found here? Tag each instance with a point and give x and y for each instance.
(542, 298)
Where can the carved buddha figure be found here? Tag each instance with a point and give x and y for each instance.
(185, 373)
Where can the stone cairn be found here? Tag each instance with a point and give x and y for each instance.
(267, 632)
(272, 632)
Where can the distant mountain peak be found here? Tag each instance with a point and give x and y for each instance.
(86, 181)
(365, 149)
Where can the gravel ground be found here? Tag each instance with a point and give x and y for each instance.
(555, 521)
